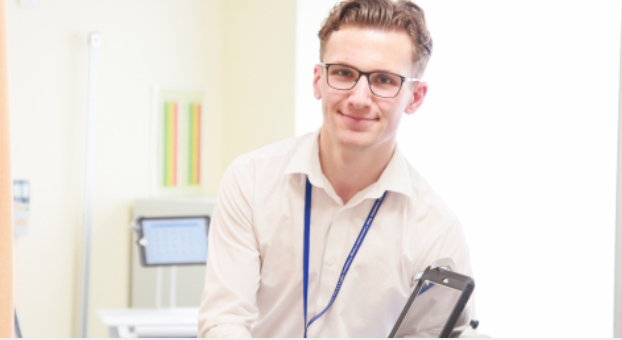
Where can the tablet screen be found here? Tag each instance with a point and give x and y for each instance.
(175, 240)
(429, 312)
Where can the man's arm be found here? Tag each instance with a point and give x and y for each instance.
(232, 276)
(443, 237)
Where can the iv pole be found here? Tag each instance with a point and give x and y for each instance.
(95, 43)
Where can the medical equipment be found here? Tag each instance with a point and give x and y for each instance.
(182, 285)
(21, 206)
(173, 240)
(436, 306)
(147, 316)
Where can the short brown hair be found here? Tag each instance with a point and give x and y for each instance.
(383, 14)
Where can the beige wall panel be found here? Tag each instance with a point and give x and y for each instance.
(258, 74)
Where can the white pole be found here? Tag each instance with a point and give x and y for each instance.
(617, 308)
(159, 288)
(173, 285)
(95, 43)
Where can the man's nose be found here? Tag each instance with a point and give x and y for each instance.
(361, 93)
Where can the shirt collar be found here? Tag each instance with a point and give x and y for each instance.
(306, 160)
(395, 177)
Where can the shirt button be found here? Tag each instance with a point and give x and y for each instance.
(330, 261)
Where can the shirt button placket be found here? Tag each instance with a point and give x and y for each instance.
(329, 276)
(331, 267)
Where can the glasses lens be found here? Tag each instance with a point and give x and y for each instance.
(342, 77)
(385, 84)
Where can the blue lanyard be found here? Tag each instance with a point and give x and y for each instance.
(346, 266)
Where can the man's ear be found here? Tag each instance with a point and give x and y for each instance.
(317, 75)
(418, 95)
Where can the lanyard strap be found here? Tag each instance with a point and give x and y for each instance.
(346, 266)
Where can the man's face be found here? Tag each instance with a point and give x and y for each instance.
(357, 119)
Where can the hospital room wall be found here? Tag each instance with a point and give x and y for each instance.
(258, 74)
(145, 42)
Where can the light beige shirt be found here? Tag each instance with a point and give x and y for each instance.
(254, 278)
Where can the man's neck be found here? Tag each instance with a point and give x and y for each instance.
(351, 170)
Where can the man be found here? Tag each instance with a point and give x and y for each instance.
(329, 229)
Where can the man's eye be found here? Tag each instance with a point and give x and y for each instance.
(344, 73)
(384, 80)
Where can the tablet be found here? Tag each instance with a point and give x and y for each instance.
(173, 240)
(435, 305)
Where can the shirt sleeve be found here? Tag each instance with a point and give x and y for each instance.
(439, 302)
(442, 237)
(228, 306)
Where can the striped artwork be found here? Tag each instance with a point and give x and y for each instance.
(170, 144)
(194, 165)
(177, 137)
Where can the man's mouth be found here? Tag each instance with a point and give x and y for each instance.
(356, 119)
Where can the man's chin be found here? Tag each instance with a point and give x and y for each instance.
(357, 141)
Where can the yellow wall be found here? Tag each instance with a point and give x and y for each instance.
(258, 74)
(240, 52)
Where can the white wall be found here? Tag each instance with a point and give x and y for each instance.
(309, 16)
(518, 135)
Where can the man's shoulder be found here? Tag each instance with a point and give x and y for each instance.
(436, 225)
(426, 199)
(272, 155)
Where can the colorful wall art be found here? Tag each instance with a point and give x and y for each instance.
(177, 142)
(194, 129)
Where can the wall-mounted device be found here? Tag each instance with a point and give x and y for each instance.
(169, 223)
(170, 241)
(21, 207)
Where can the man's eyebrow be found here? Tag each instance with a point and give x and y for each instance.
(377, 70)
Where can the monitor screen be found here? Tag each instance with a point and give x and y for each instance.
(173, 241)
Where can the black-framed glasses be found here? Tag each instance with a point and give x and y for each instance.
(381, 84)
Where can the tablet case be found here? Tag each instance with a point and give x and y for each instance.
(444, 277)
